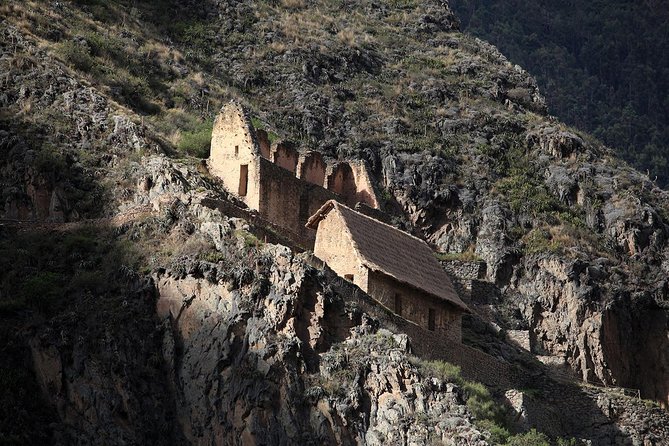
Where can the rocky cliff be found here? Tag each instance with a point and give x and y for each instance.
(122, 280)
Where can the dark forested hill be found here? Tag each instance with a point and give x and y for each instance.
(603, 65)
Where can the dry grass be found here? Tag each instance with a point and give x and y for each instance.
(303, 27)
(293, 4)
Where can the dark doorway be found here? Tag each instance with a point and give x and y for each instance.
(243, 179)
(398, 304)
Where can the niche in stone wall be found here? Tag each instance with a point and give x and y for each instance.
(342, 181)
(312, 169)
(285, 156)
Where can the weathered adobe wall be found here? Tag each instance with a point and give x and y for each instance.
(475, 365)
(284, 155)
(415, 305)
(351, 182)
(334, 246)
(233, 144)
(311, 168)
(263, 142)
(288, 201)
(364, 192)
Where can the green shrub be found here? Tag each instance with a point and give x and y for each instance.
(43, 290)
(198, 141)
(213, 256)
(440, 369)
(76, 55)
(109, 46)
(498, 434)
(527, 195)
(480, 402)
(540, 241)
(531, 438)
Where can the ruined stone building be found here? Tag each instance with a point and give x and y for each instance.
(395, 268)
(305, 195)
(285, 186)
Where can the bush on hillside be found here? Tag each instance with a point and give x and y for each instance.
(197, 141)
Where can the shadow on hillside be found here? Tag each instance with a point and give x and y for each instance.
(44, 178)
(551, 400)
(85, 317)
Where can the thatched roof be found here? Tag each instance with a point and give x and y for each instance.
(386, 249)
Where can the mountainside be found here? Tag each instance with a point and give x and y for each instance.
(145, 314)
(602, 66)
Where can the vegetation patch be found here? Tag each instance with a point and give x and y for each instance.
(197, 142)
(465, 256)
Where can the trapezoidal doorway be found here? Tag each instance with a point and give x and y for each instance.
(243, 179)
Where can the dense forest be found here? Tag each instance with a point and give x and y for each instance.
(603, 65)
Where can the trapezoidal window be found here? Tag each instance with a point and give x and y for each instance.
(348, 277)
(431, 319)
(243, 179)
(398, 304)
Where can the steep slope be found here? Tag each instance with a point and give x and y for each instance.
(457, 140)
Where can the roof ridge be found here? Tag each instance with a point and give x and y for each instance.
(337, 203)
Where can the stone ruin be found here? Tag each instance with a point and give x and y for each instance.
(285, 185)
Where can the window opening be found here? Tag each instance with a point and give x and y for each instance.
(431, 319)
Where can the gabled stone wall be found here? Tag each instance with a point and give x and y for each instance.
(234, 145)
(334, 245)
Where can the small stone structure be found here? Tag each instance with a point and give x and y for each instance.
(395, 268)
(282, 184)
(520, 338)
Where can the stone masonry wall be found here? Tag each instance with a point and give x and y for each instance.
(311, 168)
(415, 305)
(465, 270)
(287, 189)
(284, 155)
(475, 364)
(334, 245)
(288, 201)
